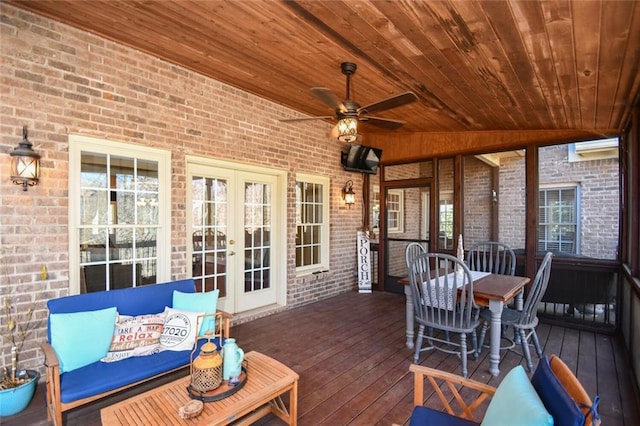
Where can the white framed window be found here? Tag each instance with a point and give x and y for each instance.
(120, 210)
(312, 223)
(375, 208)
(445, 210)
(395, 210)
(559, 219)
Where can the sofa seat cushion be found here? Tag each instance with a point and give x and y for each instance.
(100, 377)
(428, 416)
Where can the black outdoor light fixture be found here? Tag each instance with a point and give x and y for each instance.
(348, 195)
(25, 163)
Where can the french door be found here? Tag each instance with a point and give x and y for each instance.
(233, 226)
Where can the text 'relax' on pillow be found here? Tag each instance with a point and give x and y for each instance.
(136, 336)
(180, 329)
(199, 302)
(516, 403)
(82, 338)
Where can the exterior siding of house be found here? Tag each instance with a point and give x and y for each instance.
(59, 80)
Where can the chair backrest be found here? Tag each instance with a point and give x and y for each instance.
(536, 291)
(491, 256)
(411, 251)
(442, 297)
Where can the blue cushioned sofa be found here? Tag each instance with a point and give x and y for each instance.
(71, 389)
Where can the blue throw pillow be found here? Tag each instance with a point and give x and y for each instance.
(82, 338)
(198, 302)
(555, 397)
(516, 403)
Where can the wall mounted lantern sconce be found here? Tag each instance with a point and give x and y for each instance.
(494, 196)
(25, 163)
(348, 195)
(348, 129)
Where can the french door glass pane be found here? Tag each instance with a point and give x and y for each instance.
(209, 233)
(257, 240)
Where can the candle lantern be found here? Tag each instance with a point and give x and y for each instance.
(206, 369)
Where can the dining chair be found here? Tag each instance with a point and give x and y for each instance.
(492, 256)
(411, 251)
(524, 322)
(442, 291)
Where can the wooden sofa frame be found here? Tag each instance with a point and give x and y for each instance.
(55, 407)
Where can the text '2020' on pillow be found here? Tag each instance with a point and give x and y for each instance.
(180, 329)
(81, 338)
(516, 403)
(198, 302)
(136, 336)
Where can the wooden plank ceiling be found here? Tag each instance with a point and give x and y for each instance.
(474, 65)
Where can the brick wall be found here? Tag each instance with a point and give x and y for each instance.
(599, 185)
(58, 80)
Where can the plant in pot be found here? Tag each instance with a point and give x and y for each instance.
(16, 386)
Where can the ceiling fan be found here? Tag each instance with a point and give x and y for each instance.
(349, 113)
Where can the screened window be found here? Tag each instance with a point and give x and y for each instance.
(312, 223)
(119, 220)
(558, 217)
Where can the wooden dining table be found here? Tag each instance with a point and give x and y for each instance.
(493, 291)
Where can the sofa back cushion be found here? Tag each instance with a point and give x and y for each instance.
(81, 338)
(148, 299)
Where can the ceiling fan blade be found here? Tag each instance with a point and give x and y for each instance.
(289, 120)
(386, 123)
(329, 98)
(392, 102)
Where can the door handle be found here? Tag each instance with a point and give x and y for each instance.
(231, 253)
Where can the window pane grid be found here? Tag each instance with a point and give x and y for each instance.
(209, 204)
(558, 225)
(118, 221)
(309, 223)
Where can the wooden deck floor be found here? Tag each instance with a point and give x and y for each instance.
(353, 364)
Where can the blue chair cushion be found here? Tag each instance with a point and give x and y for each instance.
(555, 397)
(428, 416)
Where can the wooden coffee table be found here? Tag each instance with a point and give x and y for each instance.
(267, 381)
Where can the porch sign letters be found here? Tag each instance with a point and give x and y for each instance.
(364, 263)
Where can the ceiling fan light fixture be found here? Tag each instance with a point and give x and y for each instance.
(347, 129)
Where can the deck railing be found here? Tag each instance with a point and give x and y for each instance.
(582, 292)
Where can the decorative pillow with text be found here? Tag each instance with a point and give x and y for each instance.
(136, 336)
(180, 329)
